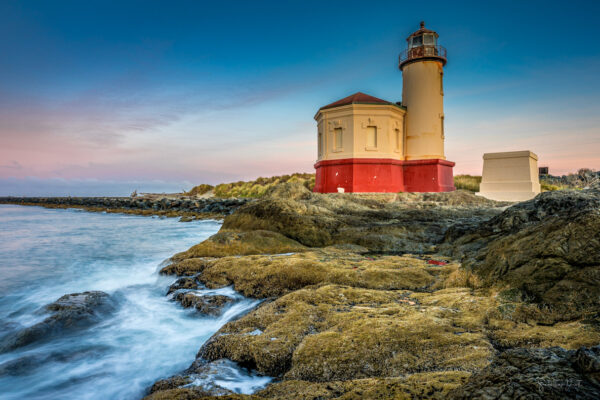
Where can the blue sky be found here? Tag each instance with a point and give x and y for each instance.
(157, 95)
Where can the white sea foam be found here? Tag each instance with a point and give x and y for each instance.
(48, 253)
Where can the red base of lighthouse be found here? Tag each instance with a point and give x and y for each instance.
(384, 175)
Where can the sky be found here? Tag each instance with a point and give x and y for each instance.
(107, 97)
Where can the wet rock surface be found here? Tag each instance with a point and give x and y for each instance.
(206, 379)
(552, 373)
(204, 304)
(69, 313)
(407, 296)
(184, 283)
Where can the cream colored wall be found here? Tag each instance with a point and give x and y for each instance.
(422, 94)
(354, 120)
(510, 176)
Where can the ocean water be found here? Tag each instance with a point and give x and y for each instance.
(46, 253)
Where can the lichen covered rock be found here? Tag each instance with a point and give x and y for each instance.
(406, 296)
(339, 333)
(263, 276)
(547, 249)
(227, 243)
(384, 222)
(424, 385)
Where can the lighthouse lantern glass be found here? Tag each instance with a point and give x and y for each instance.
(429, 39)
(417, 41)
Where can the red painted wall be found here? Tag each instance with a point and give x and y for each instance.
(384, 175)
(428, 176)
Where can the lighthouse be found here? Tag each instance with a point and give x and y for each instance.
(366, 144)
(422, 66)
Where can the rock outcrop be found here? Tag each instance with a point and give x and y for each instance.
(69, 313)
(544, 374)
(405, 296)
(400, 223)
(204, 304)
(546, 250)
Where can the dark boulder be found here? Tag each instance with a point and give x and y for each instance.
(187, 282)
(71, 312)
(547, 247)
(204, 304)
(543, 374)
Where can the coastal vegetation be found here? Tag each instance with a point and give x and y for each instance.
(256, 188)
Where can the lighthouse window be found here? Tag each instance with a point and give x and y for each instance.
(442, 119)
(417, 41)
(320, 144)
(429, 39)
(371, 137)
(337, 139)
(397, 137)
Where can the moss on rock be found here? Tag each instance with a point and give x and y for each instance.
(227, 243)
(425, 385)
(343, 321)
(547, 248)
(384, 222)
(338, 333)
(263, 276)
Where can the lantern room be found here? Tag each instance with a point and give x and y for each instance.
(423, 44)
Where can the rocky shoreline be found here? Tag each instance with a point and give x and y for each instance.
(402, 296)
(188, 208)
(381, 296)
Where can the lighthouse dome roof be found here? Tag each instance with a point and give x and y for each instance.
(421, 31)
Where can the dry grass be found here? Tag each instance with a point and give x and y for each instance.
(467, 182)
(548, 187)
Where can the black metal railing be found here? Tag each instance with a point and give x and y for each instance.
(424, 51)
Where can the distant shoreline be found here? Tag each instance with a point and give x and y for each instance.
(186, 208)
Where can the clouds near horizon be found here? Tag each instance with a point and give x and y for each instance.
(102, 95)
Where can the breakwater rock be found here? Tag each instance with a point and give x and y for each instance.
(170, 206)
